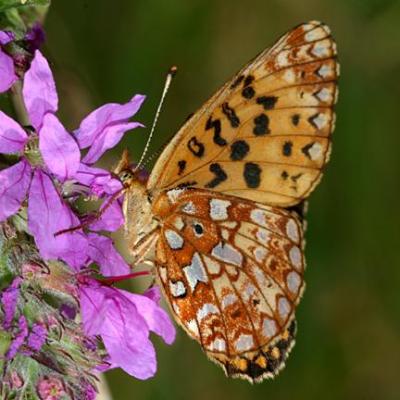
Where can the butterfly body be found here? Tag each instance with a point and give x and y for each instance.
(217, 213)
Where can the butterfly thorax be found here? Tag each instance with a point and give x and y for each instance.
(138, 213)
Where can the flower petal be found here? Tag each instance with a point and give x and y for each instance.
(9, 300)
(108, 114)
(91, 298)
(7, 72)
(47, 214)
(19, 338)
(102, 251)
(6, 37)
(59, 150)
(37, 337)
(111, 219)
(156, 318)
(136, 356)
(100, 181)
(126, 338)
(39, 90)
(107, 139)
(14, 183)
(12, 136)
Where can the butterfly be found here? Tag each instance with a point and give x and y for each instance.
(220, 214)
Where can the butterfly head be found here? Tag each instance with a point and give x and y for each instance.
(128, 174)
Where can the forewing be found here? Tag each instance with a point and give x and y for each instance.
(232, 272)
(265, 135)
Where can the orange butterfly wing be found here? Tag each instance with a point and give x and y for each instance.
(265, 135)
(232, 271)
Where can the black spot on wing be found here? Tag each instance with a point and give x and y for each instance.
(252, 175)
(237, 81)
(181, 166)
(216, 125)
(196, 147)
(268, 102)
(239, 150)
(248, 92)
(287, 149)
(231, 115)
(186, 185)
(295, 119)
(220, 176)
(261, 124)
(249, 79)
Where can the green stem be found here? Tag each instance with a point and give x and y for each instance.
(18, 104)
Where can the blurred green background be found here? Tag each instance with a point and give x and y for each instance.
(348, 344)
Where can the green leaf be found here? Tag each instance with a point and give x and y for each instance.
(8, 4)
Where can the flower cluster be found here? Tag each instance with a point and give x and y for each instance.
(50, 174)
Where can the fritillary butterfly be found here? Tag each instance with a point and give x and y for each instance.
(221, 207)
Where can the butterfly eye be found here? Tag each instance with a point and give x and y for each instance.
(198, 229)
(125, 175)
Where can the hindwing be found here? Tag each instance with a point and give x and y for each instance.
(232, 272)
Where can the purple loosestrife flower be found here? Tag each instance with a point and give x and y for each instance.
(7, 70)
(37, 337)
(103, 128)
(9, 299)
(124, 321)
(57, 161)
(19, 338)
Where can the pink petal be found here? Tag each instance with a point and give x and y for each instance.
(48, 214)
(107, 312)
(108, 114)
(14, 183)
(99, 180)
(134, 355)
(59, 150)
(91, 298)
(12, 136)
(102, 251)
(107, 139)
(7, 72)
(156, 318)
(111, 219)
(125, 336)
(39, 90)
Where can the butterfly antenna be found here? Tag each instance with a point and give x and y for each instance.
(168, 80)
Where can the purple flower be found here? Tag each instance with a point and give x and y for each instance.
(9, 299)
(97, 181)
(103, 128)
(7, 70)
(102, 251)
(57, 159)
(37, 337)
(48, 214)
(19, 338)
(124, 321)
